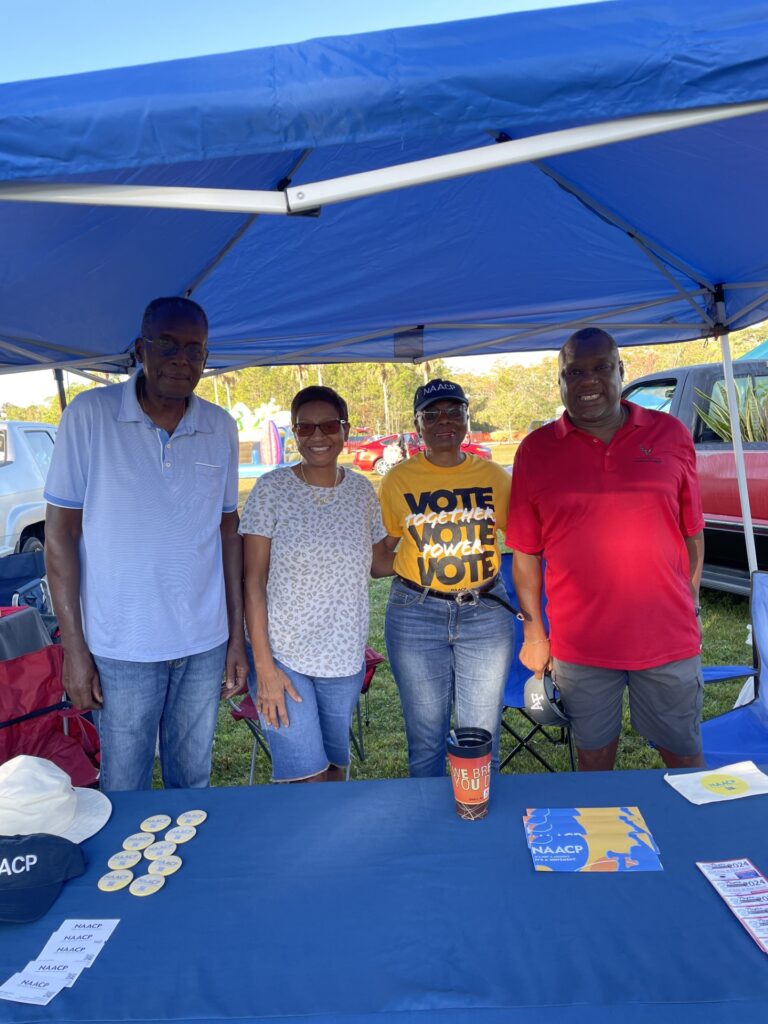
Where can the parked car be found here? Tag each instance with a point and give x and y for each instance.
(25, 455)
(370, 456)
(676, 392)
(360, 436)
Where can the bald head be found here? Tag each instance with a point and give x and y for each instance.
(590, 374)
(588, 339)
(176, 307)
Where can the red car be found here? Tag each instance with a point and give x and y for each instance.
(358, 436)
(370, 457)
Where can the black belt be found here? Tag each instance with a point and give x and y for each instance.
(469, 596)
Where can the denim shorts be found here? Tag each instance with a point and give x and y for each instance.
(317, 734)
(664, 703)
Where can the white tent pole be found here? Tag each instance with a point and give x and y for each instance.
(309, 196)
(505, 154)
(738, 448)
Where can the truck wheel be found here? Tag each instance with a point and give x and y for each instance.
(32, 544)
(380, 467)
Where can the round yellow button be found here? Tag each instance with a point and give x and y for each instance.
(138, 841)
(155, 823)
(114, 880)
(164, 865)
(191, 818)
(124, 859)
(181, 834)
(158, 850)
(146, 885)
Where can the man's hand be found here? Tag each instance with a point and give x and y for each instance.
(235, 670)
(271, 687)
(81, 680)
(535, 655)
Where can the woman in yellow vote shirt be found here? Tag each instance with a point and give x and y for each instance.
(448, 624)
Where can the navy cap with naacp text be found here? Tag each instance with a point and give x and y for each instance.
(32, 871)
(435, 391)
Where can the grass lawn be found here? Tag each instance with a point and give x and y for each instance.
(724, 619)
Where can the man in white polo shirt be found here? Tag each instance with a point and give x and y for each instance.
(144, 558)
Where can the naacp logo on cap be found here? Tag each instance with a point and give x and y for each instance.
(435, 391)
(32, 871)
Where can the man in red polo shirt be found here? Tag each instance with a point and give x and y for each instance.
(608, 496)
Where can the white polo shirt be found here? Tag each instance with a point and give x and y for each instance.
(152, 583)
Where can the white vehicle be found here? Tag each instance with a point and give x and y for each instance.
(25, 455)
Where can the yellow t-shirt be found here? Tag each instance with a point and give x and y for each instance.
(447, 520)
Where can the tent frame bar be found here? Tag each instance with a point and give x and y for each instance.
(315, 195)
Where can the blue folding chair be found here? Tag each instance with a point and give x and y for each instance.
(514, 703)
(22, 581)
(742, 734)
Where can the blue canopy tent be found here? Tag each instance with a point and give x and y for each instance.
(623, 148)
(627, 142)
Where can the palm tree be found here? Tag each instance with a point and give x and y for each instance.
(228, 380)
(383, 380)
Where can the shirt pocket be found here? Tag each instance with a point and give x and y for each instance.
(209, 480)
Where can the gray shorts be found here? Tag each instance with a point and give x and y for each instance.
(664, 703)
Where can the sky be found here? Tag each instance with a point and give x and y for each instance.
(44, 38)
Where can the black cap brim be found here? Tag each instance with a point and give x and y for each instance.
(24, 905)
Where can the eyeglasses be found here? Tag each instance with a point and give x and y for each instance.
(327, 427)
(455, 414)
(166, 349)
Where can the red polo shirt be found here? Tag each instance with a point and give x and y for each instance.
(610, 521)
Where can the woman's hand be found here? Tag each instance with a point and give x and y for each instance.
(272, 684)
(535, 655)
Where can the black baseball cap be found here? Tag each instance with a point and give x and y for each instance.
(436, 390)
(32, 871)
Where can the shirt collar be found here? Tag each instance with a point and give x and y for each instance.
(131, 412)
(637, 416)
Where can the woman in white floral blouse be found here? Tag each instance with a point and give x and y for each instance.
(313, 534)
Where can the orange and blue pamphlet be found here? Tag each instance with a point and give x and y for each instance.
(590, 839)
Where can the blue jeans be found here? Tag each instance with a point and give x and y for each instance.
(179, 698)
(443, 653)
(317, 733)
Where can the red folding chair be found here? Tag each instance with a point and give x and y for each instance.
(35, 717)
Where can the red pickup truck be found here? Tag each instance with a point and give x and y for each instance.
(675, 392)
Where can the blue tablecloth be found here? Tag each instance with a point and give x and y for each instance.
(372, 901)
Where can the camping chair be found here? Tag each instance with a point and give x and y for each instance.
(742, 733)
(514, 703)
(23, 582)
(372, 661)
(246, 711)
(35, 717)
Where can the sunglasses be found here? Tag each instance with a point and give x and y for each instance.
(166, 349)
(327, 427)
(455, 415)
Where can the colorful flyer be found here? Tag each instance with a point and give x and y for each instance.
(745, 891)
(590, 839)
(731, 782)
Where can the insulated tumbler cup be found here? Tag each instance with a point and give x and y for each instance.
(469, 758)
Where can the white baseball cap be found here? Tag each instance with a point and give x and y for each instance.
(37, 796)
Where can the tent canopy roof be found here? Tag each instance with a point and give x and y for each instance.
(642, 236)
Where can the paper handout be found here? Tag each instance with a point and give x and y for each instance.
(590, 839)
(731, 782)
